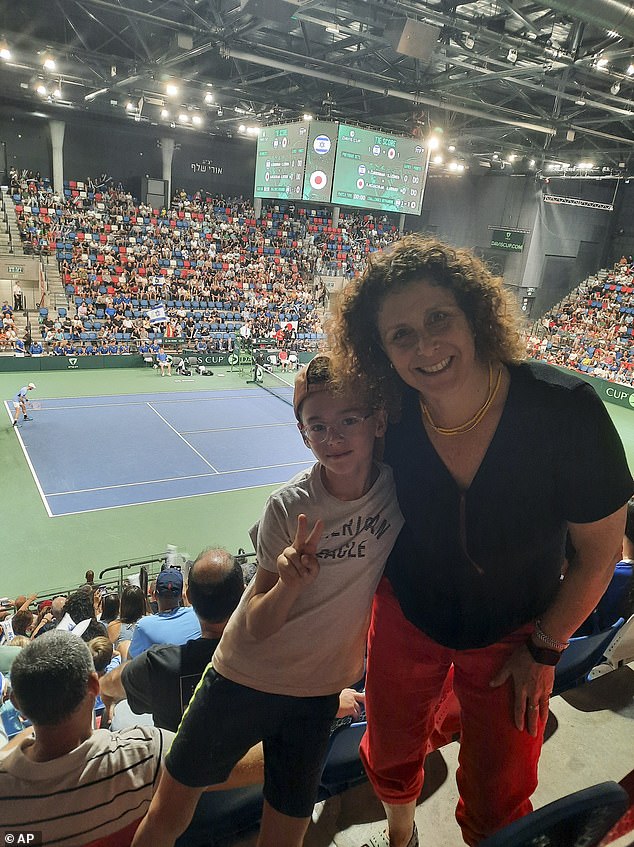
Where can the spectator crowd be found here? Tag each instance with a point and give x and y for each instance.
(219, 272)
(591, 330)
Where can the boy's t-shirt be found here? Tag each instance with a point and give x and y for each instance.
(320, 648)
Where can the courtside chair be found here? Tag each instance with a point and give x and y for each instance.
(582, 654)
(579, 820)
(619, 652)
(223, 815)
(343, 768)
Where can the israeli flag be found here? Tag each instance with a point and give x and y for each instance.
(157, 316)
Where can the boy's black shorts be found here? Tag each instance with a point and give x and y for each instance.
(225, 719)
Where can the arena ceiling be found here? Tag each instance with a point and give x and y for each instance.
(512, 84)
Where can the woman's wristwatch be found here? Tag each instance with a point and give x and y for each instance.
(551, 653)
(542, 655)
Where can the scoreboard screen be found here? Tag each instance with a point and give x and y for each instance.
(320, 161)
(280, 161)
(376, 170)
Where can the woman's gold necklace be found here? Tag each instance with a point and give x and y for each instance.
(472, 423)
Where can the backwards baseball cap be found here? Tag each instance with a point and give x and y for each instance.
(169, 583)
(31, 385)
(316, 376)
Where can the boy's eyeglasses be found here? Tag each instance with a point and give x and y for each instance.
(317, 433)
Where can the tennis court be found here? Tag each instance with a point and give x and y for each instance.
(103, 452)
(85, 470)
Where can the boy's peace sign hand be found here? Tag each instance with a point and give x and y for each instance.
(298, 565)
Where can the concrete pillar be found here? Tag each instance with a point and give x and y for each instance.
(57, 129)
(335, 216)
(401, 224)
(167, 153)
(257, 205)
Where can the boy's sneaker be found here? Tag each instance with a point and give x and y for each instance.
(15, 423)
(27, 418)
(383, 840)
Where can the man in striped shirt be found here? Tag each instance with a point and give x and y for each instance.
(73, 784)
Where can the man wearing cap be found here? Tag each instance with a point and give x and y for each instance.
(19, 403)
(173, 623)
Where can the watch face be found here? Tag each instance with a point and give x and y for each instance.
(542, 655)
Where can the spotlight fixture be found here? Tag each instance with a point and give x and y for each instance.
(469, 42)
(49, 63)
(437, 160)
(197, 120)
(242, 128)
(630, 70)
(94, 94)
(129, 106)
(452, 148)
(164, 113)
(183, 118)
(41, 90)
(5, 53)
(602, 64)
(511, 56)
(308, 117)
(209, 98)
(580, 101)
(614, 89)
(171, 90)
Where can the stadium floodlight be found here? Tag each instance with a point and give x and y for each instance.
(209, 98)
(171, 90)
(5, 53)
(615, 88)
(49, 63)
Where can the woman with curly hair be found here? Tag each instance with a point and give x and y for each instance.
(496, 461)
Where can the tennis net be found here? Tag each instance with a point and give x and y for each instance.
(274, 384)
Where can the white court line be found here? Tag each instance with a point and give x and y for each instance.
(209, 465)
(173, 479)
(29, 463)
(236, 428)
(139, 402)
(169, 499)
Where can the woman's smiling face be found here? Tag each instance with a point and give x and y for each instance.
(427, 338)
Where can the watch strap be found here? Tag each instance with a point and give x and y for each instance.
(542, 655)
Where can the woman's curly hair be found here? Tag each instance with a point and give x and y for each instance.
(489, 309)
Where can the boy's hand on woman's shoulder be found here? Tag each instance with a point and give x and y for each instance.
(298, 565)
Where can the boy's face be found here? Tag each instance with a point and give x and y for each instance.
(349, 436)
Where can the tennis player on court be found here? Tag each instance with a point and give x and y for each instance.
(20, 401)
(298, 636)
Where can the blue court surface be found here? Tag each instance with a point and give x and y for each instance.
(89, 453)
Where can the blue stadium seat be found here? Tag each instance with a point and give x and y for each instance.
(582, 818)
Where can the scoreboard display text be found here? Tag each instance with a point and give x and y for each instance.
(280, 161)
(378, 171)
(326, 162)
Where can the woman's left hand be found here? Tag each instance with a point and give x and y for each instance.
(532, 684)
